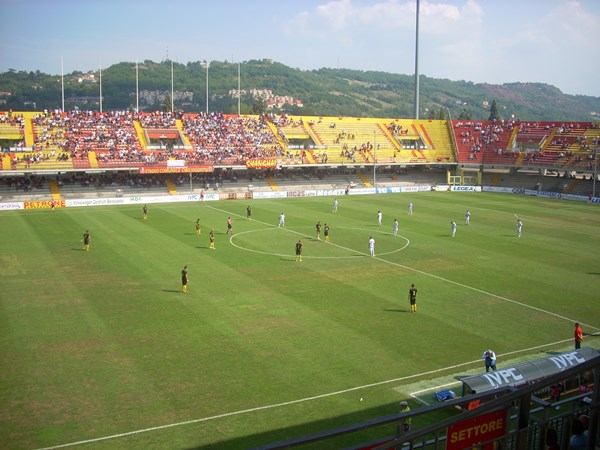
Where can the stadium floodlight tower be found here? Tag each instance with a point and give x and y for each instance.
(206, 64)
(417, 62)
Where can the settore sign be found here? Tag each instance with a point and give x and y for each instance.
(526, 373)
(476, 431)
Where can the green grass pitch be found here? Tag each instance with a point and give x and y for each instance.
(103, 348)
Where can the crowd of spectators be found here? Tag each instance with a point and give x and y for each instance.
(221, 139)
(159, 119)
(477, 136)
(217, 138)
(15, 120)
(30, 159)
(79, 132)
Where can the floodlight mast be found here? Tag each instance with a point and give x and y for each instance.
(137, 87)
(100, 70)
(206, 63)
(417, 63)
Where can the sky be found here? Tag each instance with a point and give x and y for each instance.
(482, 41)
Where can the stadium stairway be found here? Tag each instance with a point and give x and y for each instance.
(520, 158)
(171, 186)
(6, 162)
(310, 156)
(385, 130)
(93, 160)
(425, 134)
(365, 180)
(282, 143)
(512, 140)
(186, 141)
(140, 134)
(54, 189)
(272, 183)
(314, 136)
(29, 137)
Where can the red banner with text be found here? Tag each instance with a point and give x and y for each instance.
(484, 428)
(261, 163)
(187, 169)
(44, 204)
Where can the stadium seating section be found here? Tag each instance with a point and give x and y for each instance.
(81, 140)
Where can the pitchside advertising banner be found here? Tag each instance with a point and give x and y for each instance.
(44, 204)
(476, 431)
(257, 195)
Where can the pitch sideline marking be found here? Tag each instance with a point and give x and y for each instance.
(415, 394)
(330, 394)
(293, 402)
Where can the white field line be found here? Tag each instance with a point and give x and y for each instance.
(293, 402)
(344, 391)
(456, 283)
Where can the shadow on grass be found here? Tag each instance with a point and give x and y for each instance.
(397, 310)
(266, 439)
(171, 290)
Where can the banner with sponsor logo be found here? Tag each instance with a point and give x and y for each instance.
(236, 196)
(41, 204)
(11, 206)
(473, 432)
(187, 169)
(465, 188)
(269, 194)
(261, 163)
(526, 373)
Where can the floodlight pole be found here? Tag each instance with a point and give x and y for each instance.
(137, 87)
(172, 90)
(207, 87)
(416, 113)
(100, 84)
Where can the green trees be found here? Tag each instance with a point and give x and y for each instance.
(326, 92)
(494, 112)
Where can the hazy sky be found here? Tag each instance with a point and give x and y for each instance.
(484, 41)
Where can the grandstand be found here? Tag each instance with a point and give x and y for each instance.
(54, 144)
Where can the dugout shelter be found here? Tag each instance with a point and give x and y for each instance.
(526, 373)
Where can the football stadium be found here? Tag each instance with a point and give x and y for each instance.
(153, 295)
